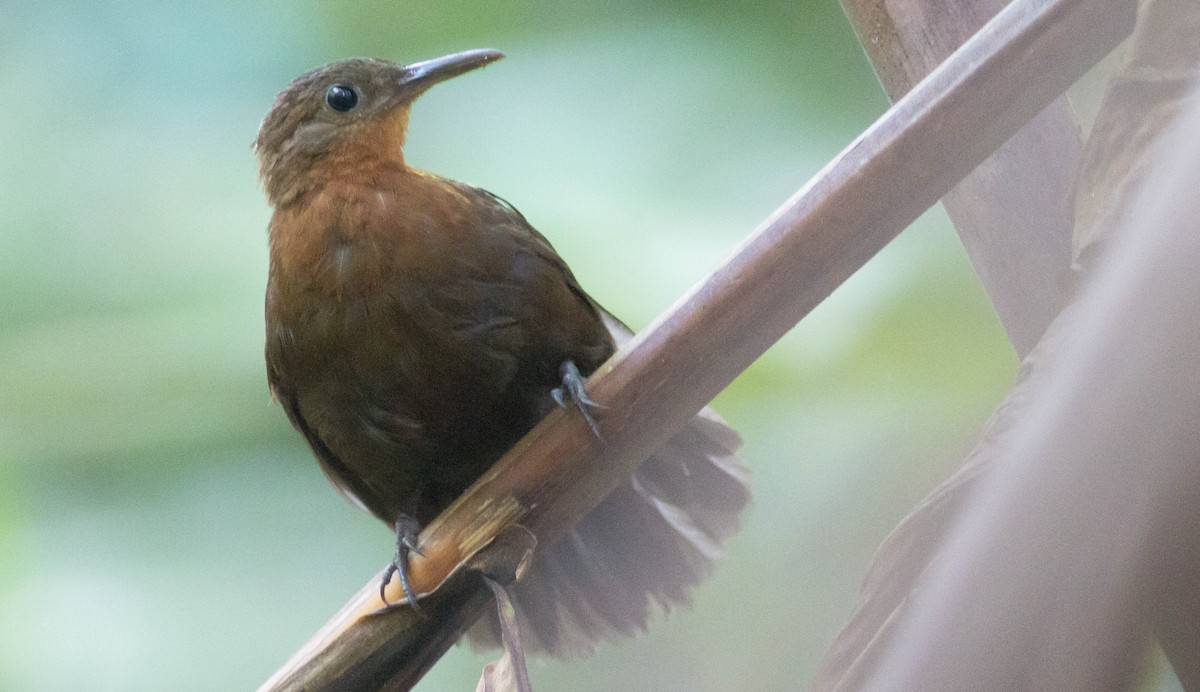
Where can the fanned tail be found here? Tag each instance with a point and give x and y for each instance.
(641, 550)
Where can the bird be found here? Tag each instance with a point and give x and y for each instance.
(417, 327)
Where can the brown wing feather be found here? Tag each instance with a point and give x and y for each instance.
(339, 476)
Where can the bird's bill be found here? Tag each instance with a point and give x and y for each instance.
(419, 76)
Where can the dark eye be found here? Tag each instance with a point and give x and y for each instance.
(341, 98)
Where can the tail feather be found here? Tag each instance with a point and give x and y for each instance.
(705, 480)
(642, 550)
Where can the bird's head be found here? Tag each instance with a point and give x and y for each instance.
(345, 110)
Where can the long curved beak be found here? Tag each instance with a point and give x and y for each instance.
(419, 76)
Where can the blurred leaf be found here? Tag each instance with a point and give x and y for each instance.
(508, 674)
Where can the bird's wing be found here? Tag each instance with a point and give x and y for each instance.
(339, 476)
(538, 243)
(590, 343)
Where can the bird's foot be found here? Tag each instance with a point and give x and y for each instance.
(407, 533)
(572, 388)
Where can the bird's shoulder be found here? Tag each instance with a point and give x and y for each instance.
(503, 232)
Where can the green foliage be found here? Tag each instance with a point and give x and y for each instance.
(163, 527)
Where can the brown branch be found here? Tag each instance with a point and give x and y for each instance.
(1013, 212)
(1013, 216)
(899, 167)
(1043, 580)
(1142, 101)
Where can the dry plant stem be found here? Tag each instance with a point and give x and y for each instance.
(1013, 216)
(1140, 104)
(1147, 94)
(899, 167)
(1042, 581)
(510, 673)
(1013, 212)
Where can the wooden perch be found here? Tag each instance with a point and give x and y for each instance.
(1013, 216)
(1091, 515)
(1013, 212)
(900, 166)
(1144, 98)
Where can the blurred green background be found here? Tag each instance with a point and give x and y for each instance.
(161, 525)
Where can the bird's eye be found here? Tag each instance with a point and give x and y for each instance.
(341, 98)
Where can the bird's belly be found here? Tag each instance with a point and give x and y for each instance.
(414, 409)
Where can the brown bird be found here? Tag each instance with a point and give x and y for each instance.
(417, 327)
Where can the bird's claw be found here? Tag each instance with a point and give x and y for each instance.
(572, 388)
(409, 544)
(407, 533)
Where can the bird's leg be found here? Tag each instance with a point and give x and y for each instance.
(572, 388)
(407, 532)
